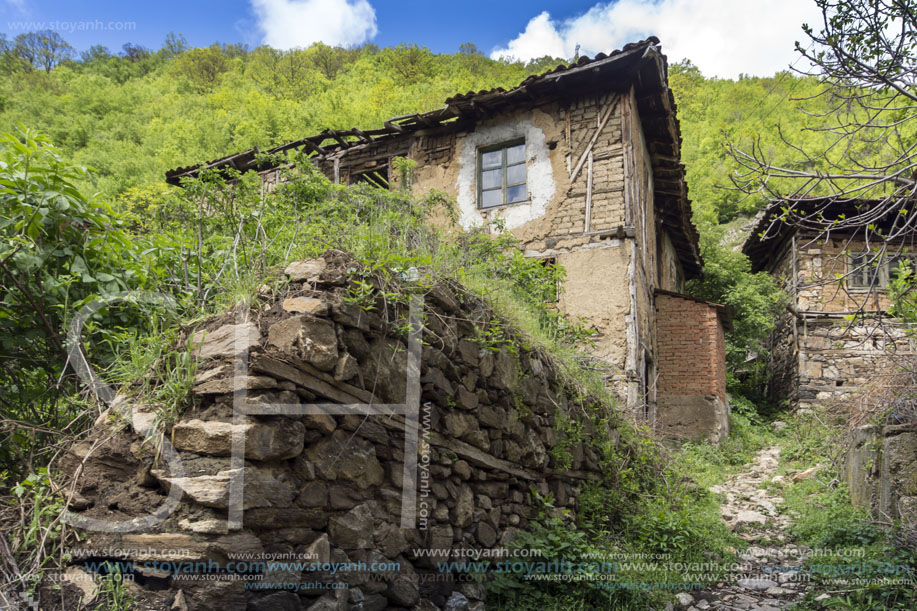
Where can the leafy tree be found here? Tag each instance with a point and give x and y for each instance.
(410, 62)
(95, 53)
(175, 44)
(864, 55)
(133, 53)
(58, 249)
(10, 61)
(328, 60)
(44, 49)
(202, 68)
(469, 48)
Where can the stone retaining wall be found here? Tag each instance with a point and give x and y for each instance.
(881, 471)
(329, 487)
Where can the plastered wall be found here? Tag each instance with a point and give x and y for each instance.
(590, 207)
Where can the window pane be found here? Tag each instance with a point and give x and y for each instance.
(515, 174)
(864, 271)
(491, 179)
(491, 198)
(515, 194)
(515, 154)
(492, 159)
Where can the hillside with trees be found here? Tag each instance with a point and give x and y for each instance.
(90, 137)
(133, 115)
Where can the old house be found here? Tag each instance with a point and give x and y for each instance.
(835, 336)
(582, 164)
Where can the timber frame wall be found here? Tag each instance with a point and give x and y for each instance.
(607, 199)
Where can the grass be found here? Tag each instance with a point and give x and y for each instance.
(851, 544)
(651, 501)
(709, 464)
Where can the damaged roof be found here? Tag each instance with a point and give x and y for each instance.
(640, 65)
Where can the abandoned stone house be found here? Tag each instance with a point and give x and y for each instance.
(836, 336)
(582, 164)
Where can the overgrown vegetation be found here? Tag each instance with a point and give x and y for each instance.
(136, 114)
(852, 545)
(218, 256)
(214, 245)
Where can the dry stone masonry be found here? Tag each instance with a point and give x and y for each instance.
(328, 488)
(881, 471)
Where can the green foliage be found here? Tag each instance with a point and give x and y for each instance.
(708, 463)
(113, 591)
(202, 68)
(714, 112)
(565, 549)
(36, 537)
(216, 243)
(58, 250)
(42, 50)
(824, 518)
(137, 115)
(152, 363)
(901, 291)
(827, 519)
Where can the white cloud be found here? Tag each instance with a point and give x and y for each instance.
(722, 37)
(286, 24)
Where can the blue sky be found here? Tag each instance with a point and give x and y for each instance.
(723, 37)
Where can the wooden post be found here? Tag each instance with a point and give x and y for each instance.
(579, 164)
(588, 194)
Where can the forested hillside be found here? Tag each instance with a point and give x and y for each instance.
(135, 114)
(87, 218)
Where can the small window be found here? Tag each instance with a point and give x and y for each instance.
(867, 272)
(501, 174)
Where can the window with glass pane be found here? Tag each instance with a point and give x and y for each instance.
(864, 271)
(501, 175)
(867, 272)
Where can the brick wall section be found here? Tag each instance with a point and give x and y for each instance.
(691, 348)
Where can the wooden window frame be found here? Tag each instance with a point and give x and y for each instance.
(479, 174)
(884, 271)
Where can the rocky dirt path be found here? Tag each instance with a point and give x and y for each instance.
(768, 579)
